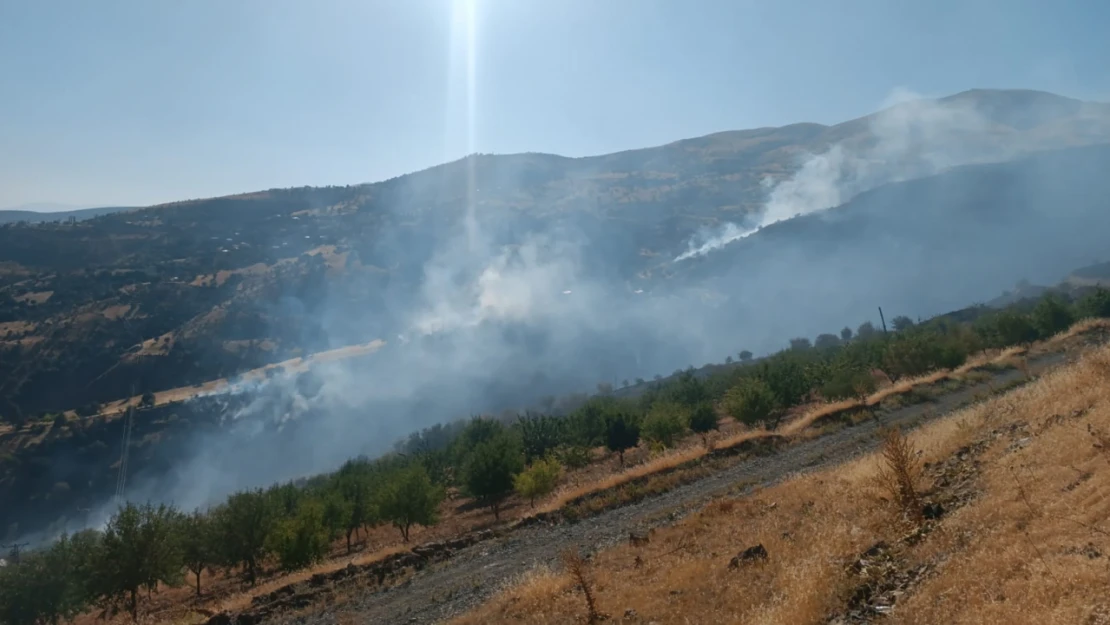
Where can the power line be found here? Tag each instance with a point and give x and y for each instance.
(121, 477)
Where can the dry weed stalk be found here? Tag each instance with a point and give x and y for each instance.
(576, 566)
(1025, 532)
(898, 475)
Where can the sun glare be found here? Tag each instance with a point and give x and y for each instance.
(464, 69)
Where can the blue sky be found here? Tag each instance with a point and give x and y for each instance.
(138, 102)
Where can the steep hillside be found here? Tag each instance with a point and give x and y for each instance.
(1004, 522)
(194, 291)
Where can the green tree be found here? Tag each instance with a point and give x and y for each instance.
(540, 434)
(1052, 315)
(787, 378)
(664, 423)
(409, 498)
(488, 474)
(286, 498)
(826, 341)
(88, 565)
(476, 432)
(745, 356)
(800, 344)
(244, 524)
(1006, 328)
(140, 551)
(703, 419)
(355, 487)
(1094, 304)
(749, 401)
(538, 480)
(846, 334)
(337, 512)
(301, 540)
(199, 550)
(622, 432)
(901, 323)
(866, 330)
(46, 586)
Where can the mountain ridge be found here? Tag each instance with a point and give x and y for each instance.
(199, 289)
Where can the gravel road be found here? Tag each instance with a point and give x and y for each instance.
(469, 577)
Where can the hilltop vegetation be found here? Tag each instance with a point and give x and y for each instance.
(293, 526)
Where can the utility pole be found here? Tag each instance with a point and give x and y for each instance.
(883, 319)
(14, 551)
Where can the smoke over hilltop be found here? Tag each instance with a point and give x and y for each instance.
(912, 137)
(489, 307)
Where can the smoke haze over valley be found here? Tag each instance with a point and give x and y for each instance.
(499, 281)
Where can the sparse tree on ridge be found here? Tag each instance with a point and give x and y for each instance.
(703, 419)
(901, 323)
(749, 401)
(409, 498)
(826, 341)
(537, 480)
(664, 423)
(622, 433)
(244, 524)
(198, 544)
(140, 550)
(489, 471)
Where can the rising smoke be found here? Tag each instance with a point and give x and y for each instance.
(911, 137)
(508, 309)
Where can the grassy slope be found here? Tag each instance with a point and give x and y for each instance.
(1027, 486)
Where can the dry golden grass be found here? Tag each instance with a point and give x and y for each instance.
(1025, 549)
(661, 463)
(821, 411)
(1081, 327)
(600, 476)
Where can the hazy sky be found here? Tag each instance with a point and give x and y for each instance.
(138, 101)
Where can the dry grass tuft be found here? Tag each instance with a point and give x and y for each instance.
(576, 568)
(664, 462)
(898, 475)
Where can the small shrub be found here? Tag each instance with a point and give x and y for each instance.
(703, 419)
(664, 423)
(573, 456)
(750, 401)
(1051, 315)
(538, 480)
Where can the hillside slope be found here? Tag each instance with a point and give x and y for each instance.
(1017, 533)
(194, 291)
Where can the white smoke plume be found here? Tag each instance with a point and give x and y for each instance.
(912, 137)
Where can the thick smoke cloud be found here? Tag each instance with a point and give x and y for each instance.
(498, 310)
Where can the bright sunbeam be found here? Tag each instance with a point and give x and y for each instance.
(463, 65)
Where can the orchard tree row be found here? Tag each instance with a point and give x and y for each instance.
(292, 526)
